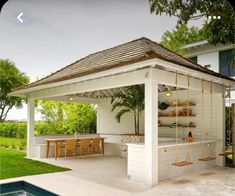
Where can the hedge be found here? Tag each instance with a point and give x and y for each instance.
(13, 129)
(19, 129)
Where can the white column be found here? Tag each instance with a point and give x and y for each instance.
(151, 132)
(30, 127)
(233, 133)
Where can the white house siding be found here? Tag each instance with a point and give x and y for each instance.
(209, 55)
(211, 59)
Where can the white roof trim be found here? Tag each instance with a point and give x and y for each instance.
(129, 68)
(195, 44)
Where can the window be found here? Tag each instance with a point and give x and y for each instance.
(193, 58)
(226, 59)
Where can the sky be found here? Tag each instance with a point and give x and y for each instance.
(56, 33)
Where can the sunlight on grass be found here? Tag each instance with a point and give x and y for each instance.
(14, 143)
(14, 164)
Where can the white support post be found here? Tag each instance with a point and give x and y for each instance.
(233, 133)
(151, 132)
(30, 127)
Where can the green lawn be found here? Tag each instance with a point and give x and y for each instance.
(7, 142)
(13, 164)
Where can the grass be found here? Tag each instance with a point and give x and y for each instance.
(14, 143)
(13, 164)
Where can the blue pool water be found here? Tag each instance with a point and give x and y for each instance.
(22, 188)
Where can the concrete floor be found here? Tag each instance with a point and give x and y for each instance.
(106, 175)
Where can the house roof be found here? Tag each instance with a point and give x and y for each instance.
(135, 51)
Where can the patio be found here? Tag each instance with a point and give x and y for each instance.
(104, 170)
(106, 175)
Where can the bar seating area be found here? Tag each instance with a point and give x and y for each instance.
(76, 146)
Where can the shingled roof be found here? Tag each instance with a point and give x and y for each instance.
(135, 51)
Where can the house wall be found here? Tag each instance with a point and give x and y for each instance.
(211, 59)
(209, 55)
(107, 123)
(108, 127)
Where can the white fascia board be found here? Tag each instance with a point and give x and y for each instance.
(112, 81)
(129, 68)
(208, 49)
(195, 44)
(194, 73)
(119, 70)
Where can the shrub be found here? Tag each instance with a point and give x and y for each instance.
(13, 129)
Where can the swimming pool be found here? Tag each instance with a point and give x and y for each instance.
(22, 188)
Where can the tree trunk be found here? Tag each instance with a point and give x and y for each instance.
(138, 123)
(135, 122)
(4, 113)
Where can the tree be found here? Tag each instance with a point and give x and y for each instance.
(219, 30)
(61, 117)
(10, 78)
(181, 36)
(129, 101)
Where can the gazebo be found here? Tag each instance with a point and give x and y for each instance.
(95, 78)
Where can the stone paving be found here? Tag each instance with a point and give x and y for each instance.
(106, 176)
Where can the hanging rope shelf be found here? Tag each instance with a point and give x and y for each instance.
(210, 156)
(187, 160)
(225, 154)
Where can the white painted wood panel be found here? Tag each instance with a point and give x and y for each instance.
(107, 122)
(195, 97)
(166, 156)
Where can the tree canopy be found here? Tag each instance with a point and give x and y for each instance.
(63, 118)
(219, 30)
(10, 78)
(180, 36)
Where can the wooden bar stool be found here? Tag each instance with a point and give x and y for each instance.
(95, 145)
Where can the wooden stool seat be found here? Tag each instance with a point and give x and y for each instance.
(207, 159)
(182, 163)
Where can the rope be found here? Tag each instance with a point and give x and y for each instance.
(229, 116)
(188, 155)
(211, 91)
(224, 118)
(188, 103)
(202, 119)
(176, 116)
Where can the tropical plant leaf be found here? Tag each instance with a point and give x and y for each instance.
(120, 113)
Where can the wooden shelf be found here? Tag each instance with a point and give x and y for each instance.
(184, 126)
(173, 106)
(192, 115)
(225, 154)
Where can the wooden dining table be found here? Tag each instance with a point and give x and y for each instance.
(56, 142)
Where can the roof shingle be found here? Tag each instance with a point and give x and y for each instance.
(127, 53)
